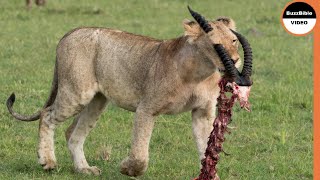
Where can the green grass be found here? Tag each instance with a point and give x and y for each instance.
(274, 141)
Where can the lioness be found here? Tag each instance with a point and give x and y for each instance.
(95, 66)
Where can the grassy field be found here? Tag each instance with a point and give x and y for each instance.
(274, 141)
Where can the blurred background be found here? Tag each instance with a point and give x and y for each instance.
(274, 141)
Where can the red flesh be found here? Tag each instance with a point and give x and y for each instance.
(216, 138)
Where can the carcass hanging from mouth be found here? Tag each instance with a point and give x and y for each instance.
(216, 138)
(242, 93)
(239, 84)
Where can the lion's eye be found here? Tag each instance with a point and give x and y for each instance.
(234, 40)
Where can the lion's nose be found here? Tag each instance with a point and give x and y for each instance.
(236, 60)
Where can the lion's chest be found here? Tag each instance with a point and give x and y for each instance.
(188, 101)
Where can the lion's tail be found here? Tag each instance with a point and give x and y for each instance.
(36, 116)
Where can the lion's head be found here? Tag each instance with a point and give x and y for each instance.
(220, 34)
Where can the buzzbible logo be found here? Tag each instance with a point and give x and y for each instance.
(299, 18)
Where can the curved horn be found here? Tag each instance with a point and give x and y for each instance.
(201, 20)
(247, 51)
(231, 70)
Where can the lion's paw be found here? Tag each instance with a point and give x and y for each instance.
(133, 167)
(48, 164)
(47, 160)
(93, 170)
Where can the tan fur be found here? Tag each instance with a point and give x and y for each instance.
(140, 74)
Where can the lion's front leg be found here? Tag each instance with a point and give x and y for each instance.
(202, 125)
(137, 162)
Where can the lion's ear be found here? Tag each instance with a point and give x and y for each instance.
(191, 28)
(228, 22)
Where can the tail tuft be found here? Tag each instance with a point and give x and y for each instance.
(11, 100)
(36, 116)
(20, 117)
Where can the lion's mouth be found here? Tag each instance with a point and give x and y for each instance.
(222, 70)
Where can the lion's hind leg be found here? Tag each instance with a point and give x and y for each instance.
(80, 129)
(63, 108)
